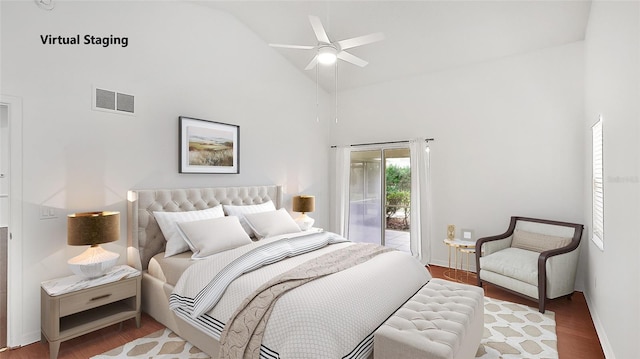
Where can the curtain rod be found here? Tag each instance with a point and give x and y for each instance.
(384, 143)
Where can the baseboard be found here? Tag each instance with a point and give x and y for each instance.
(602, 335)
(438, 263)
(30, 338)
(472, 266)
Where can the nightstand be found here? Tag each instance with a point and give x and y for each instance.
(74, 306)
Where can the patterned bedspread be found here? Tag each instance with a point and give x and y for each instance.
(331, 317)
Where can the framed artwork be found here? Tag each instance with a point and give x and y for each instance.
(208, 146)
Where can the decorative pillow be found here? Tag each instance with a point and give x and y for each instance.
(267, 224)
(167, 222)
(537, 242)
(211, 236)
(240, 211)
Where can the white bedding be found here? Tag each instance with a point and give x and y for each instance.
(331, 317)
(169, 269)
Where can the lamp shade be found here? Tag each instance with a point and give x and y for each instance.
(304, 203)
(93, 228)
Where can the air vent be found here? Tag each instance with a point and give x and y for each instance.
(113, 101)
(125, 103)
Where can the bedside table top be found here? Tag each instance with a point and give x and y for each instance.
(73, 283)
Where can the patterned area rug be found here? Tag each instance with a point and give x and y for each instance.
(163, 344)
(510, 331)
(517, 331)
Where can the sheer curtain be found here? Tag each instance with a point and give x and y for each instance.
(420, 201)
(340, 210)
(420, 195)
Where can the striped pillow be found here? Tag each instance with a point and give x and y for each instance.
(537, 242)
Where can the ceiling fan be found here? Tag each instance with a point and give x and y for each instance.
(328, 51)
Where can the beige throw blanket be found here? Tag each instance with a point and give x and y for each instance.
(242, 335)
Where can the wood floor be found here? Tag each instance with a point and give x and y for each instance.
(90, 344)
(577, 338)
(576, 334)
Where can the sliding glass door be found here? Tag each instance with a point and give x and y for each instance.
(379, 197)
(365, 196)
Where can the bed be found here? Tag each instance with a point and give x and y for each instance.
(333, 315)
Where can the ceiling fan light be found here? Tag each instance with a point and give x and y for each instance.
(327, 55)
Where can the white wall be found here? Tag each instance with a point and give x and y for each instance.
(508, 138)
(612, 79)
(182, 59)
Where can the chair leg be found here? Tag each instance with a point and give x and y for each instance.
(541, 304)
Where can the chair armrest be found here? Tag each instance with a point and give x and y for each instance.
(507, 234)
(494, 242)
(575, 242)
(544, 256)
(480, 242)
(554, 252)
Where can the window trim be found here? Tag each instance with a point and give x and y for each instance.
(597, 184)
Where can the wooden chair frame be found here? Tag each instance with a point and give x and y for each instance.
(542, 259)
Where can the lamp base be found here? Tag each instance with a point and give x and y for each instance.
(304, 222)
(93, 263)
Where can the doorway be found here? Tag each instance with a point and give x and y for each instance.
(380, 197)
(11, 218)
(4, 220)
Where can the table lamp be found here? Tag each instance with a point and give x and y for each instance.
(93, 228)
(304, 204)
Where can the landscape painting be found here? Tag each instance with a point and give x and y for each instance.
(208, 146)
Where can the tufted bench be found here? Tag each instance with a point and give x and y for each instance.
(444, 320)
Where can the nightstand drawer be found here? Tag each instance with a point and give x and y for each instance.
(98, 296)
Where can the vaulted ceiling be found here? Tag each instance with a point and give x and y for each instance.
(421, 36)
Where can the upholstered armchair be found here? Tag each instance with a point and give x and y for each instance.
(534, 258)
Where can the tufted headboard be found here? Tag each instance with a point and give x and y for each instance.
(144, 236)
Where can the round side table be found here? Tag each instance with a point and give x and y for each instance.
(466, 247)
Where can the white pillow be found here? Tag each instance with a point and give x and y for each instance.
(240, 211)
(273, 223)
(210, 236)
(167, 221)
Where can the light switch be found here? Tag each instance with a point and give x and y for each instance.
(47, 212)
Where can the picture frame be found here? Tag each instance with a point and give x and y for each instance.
(208, 147)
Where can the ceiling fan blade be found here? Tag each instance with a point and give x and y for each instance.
(316, 24)
(312, 63)
(301, 47)
(360, 40)
(343, 55)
